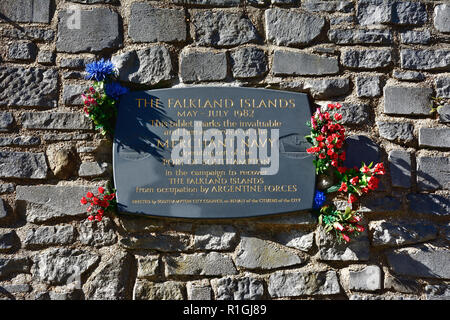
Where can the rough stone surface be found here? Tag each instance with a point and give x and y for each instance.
(6, 121)
(26, 10)
(93, 169)
(214, 237)
(393, 131)
(223, 29)
(208, 264)
(408, 75)
(98, 29)
(198, 291)
(367, 279)
(331, 250)
(300, 283)
(361, 36)
(433, 173)
(47, 236)
(404, 100)
(281, 31)
(354, 113)
(398, 233)
(415, 37)
(437, 292)
(47, 202)
(97, 234)
(146, 66)
(111, 280)
(244, 288)
(248, 63)
(198, 65)
(8, 240)
(7, 187)
(381, 204)
(31, 33)
(72, 94)
(158, 242)
(387, 11)
(442, 87)
(300, 63)
(430, 204)
(360, 149)
(401, 284)
(22, 51)
(374, 12)
(3, 211)
(425, 59)
(29, 87)
(22, 165)
(366, 58)
(254, 253)
(46, 57)
(327, 88)
(148, 266)
(296, 239)
(441, 17)
(444, 114)
(55, 121)
(62, 266)
(62, 161)
(169, 290)
(400, 168)
(368, 86)
(14, 265)
(162, 25)
(425, 261)
(328, 6)
(409, 13)
(434, 137)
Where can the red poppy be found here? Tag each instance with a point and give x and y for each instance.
(83, 200)
(352, 198)
(89, 194)
(343, 187)
(101, 190)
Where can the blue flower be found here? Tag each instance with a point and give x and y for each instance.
(99, 70)
(319, 199)
(115, 90)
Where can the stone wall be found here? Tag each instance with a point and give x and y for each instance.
(382, 59)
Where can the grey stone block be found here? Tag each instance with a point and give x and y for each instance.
(55, 121)
(366, 58)
(442, 87)
(26, 10)
(281, 31)
(46, 57)
(72, 94)
(198, 65)
(99, 30)
(222, 28)
(408, 75)
(297, 239)
(212, 3)
(6, 188)
(381, 204)
(368, 86)
(30, 33)
(14, 265)
(434, 137)
(20, 141)
(93, 169)
(299, 63)
(425, 59)
(374, 11)
(431, 204)
(169, 290)
(444, 114)
(393, 131)
(331, 250)
(248, 63)
(8, 240)
(161, 24)
(97, 234)
(437, 292)
(198, 291)
(243, 288)
(360, 36)
(424, 261)
(415, 37)
(327, 88)
(22, 51)
(400, 168)
(3, 211)
(441, 17)
(47, 236)
(148, 266)
(328, 6)
(293, 284)
(205, 264)
(74, 63)
(95, 1)
(23, 165)
(367, 279)
(409, 13)
(353, 113)
(433, 173)
(402, 232)
(29, 87)
(403, 100)
(401, 284)
(159, 242)
(214, 237)
(6, 121)
(147, 66)
(360, 149)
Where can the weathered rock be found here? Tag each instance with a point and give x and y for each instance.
(31, 33)
(3, 211)
(6, 121)
(214, 237)
(98, 29)
(62, 266)
(361, 36)
(425, 59)
(147, 66)
(444, 114)
(408, 12)
(368, 86)
(26, 10)
(112, 279)
(20, 141)
(22, 165)
(47, 202)
(442, 87)
(424, 261)
(14, 265)
(387, 11)
(401, 284)
(94, 169)
(400, 168)
(72, 94)
(46, 57)
(8, 240)
(415, 37)
(300, 63)
(381, 204)
(360, 149)
(63, 161)
(198, 290)
(208, 264)
(74, 63)
(168, 290)
(148, 266)
(254, 253)
(248, 62)
(366, 58)
(434, 137)
(331, 250)
(407, 100)
(432, 204)
(433, 173)
(223, 28)
(408, 75)
(374, 12)
(55, 121)
(29, 87)
(6, 188)
(300, 283)
(47, 236)
(162, 25)
(281, 31)
(392, 131)
(22, 51)
(327, 88)
(196, 65)
(441, 18)
(158, 242)
(243, 288)
(397, 233)
(328, 6)
(437, 292)
(367, 279)
(97, 234)
(353, 113)
(297, 239)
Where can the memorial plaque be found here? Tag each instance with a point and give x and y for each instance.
(213, 152)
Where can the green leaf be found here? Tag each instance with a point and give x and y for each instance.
(333, 189)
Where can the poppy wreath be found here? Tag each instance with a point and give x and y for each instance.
(327, 139)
